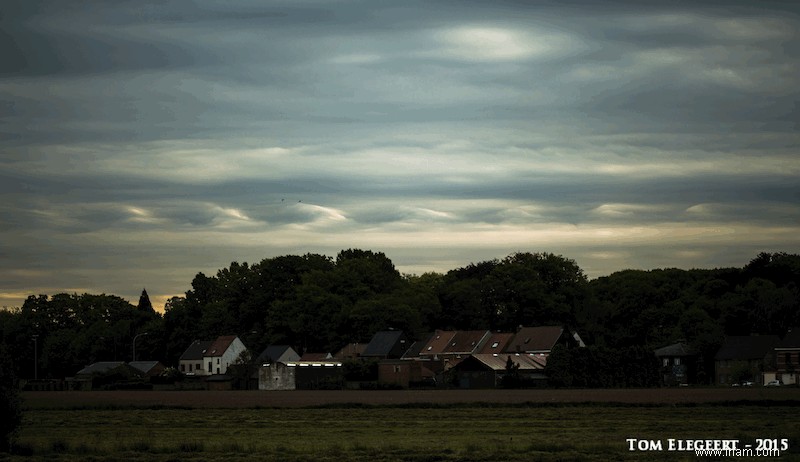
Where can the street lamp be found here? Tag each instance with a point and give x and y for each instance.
(134, 343)
(35, 357)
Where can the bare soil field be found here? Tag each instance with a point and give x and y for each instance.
(288, 399)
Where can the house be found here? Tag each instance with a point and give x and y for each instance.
(191, 361)
(677, 364)
(350, 351)
(309, 356)
(484, 370)
(222, 353)
(276, 376)
(542, 339)
(786, 360)
(743, 357)
(278, 353)
(103, 373)
(148, 368)
(106, 367)
(388, 344)
(301, 375)
(406, 373)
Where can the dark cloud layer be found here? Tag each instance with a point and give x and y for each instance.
(141, 142)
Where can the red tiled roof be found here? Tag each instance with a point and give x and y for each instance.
(220, 345)
(542, 338)
(466, 341)
(351, 350)
(438, 342)
(497, 342)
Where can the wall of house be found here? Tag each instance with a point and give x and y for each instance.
(394, 373)
(724, 370)
(219, 364)
(191, 367)
(313, 377)
(276, 376)
(231, 354)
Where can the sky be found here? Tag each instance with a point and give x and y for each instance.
(143, 142)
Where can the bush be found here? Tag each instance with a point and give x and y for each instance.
(10, 406)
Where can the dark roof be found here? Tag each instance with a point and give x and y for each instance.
(383, 343)
(740, 347)
(195, 350)
(220, 345)
(674, 350)
(791, 340)
(100, 367)
(415, 349)
(274, 352)
(310, 356)
(542, 338)
(144, 366)
(466, 341)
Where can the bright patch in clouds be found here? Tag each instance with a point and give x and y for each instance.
(159, 145)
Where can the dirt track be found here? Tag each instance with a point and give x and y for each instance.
(247, 399)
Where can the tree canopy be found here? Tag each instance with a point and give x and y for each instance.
(318, 303)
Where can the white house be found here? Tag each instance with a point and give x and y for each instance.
(222, 353)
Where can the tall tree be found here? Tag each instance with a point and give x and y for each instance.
(144, 302)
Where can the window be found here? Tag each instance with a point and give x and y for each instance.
(217, 361)
(197, 366)
(217, 370)
(677, 361)
(209, 367)
(183, 367)
(397, 368)
(495, 344)
(190, 367)
(665, 362)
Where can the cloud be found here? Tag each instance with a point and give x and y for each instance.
(142, 143)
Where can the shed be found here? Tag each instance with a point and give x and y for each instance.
(488, 370)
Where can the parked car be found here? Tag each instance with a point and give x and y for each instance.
(773, 383)
(747, 383)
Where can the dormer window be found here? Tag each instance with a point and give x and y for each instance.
(495, 344)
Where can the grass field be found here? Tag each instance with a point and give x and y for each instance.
(391, 431)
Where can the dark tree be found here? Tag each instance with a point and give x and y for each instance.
(144, 302)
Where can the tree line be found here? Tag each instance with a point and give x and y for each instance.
(319, 303)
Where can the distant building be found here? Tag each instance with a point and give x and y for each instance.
(542, 339)
(191, 361)
(744, 355)
(211, 357)
(301, 375)
(677, 364)
(148, 368)
(786, 360)
(278, 353)
(487, 370)
(388, 344)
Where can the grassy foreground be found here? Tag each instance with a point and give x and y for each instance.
(435, 433)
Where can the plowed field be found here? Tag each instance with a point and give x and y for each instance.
(253, 399)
